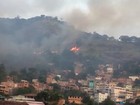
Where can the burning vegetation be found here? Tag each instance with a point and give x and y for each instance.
(75, 49)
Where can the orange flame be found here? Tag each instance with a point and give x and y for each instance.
(75, 49)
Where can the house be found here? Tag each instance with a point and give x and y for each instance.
(133, 77)
(112, 85)
(110, 70)
(61, 102)
(137, 94)
(4, 89)
(100, 97)
(23, 84)
(12, 103)
(20, 103)
(129, 95)
(19, 100)
(7, 87)
(119, 94)
(75, 99)
(37, 85)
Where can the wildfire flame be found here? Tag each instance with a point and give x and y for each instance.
(75, 49)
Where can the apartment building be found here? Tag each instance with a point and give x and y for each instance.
(119, 94)
(4, 89)
(100, 97)
(23, 84)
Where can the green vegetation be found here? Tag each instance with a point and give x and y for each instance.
(44, 42)
(73, 93)
(48, 97)
(3, 72)
(22, 91)
(108, 101)
(87, 101)
(29, 74)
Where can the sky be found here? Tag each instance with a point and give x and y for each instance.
(111, 17)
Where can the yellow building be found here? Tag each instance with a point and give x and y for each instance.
(75, 99)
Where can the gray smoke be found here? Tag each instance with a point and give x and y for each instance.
(113, 17)
(25, 42)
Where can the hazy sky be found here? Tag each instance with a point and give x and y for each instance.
(113, 17)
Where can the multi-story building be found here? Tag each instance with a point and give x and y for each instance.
(129, 95)
(23, 84)
(111, 85)
(7, 87)
(4, 89)
(119, 94)
(100, 97)
(100, 86)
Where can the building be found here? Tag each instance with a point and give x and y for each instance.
(133, 77)
(100, 86)
(119, 94)
(4, 89)
(100, 97)
(2, 98)
(49, 79)
(61, 102)
(12, 103)
(23, 84)
(129, 95)
(28, 99)
(78, 68)
(75, 99)
(7, 87)
(91, 84)
(37, 85)
(128, 87)
(112, 85)
(110, 70)
(137, 93)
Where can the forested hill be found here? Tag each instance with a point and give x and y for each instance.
(44, 40)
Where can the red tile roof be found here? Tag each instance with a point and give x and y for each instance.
(12, 103)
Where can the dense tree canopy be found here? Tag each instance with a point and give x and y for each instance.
(3, 72)
(47, 96)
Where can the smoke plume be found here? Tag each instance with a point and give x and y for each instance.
(107, 17)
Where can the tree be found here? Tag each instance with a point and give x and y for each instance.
(137, 82)
(2, 72)
(48, 96)
(15, 75)
(33, 73)
(125, 38)
(108, 101)
(86, 100)
(22, 91)
(56, 87)
(137, 101)
(73, 92)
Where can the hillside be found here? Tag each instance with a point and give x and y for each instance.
(42, 41)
